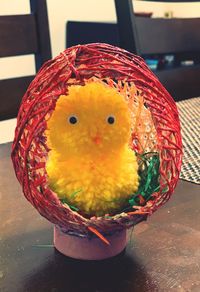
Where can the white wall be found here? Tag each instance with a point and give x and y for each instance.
(92, 10)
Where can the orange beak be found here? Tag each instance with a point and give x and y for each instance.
(96, 140)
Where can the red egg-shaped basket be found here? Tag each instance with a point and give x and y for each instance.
(122, 70)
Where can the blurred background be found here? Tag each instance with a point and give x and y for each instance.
(60, 12)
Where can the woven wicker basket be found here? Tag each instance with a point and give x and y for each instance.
(157, 129)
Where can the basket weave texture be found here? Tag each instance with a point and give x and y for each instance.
(121, 69)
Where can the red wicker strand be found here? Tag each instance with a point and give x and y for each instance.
(29, 150)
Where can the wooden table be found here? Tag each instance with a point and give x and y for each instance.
(163, 254)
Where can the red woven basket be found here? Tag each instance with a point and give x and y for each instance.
(120, 69)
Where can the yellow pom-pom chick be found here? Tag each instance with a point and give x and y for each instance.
(90, 164)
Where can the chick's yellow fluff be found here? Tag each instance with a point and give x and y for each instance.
(90, 163)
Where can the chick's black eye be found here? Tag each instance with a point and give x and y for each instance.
(73, 120)
(111, 120)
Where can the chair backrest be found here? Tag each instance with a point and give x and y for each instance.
(158, 36)
(83, 32)
(21, 35)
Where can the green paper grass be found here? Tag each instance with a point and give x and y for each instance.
(149, 164)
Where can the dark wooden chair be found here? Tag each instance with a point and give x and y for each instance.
(21, 35)
(83, 32)
(159, 36)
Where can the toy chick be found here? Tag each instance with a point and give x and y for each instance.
(90, 165)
